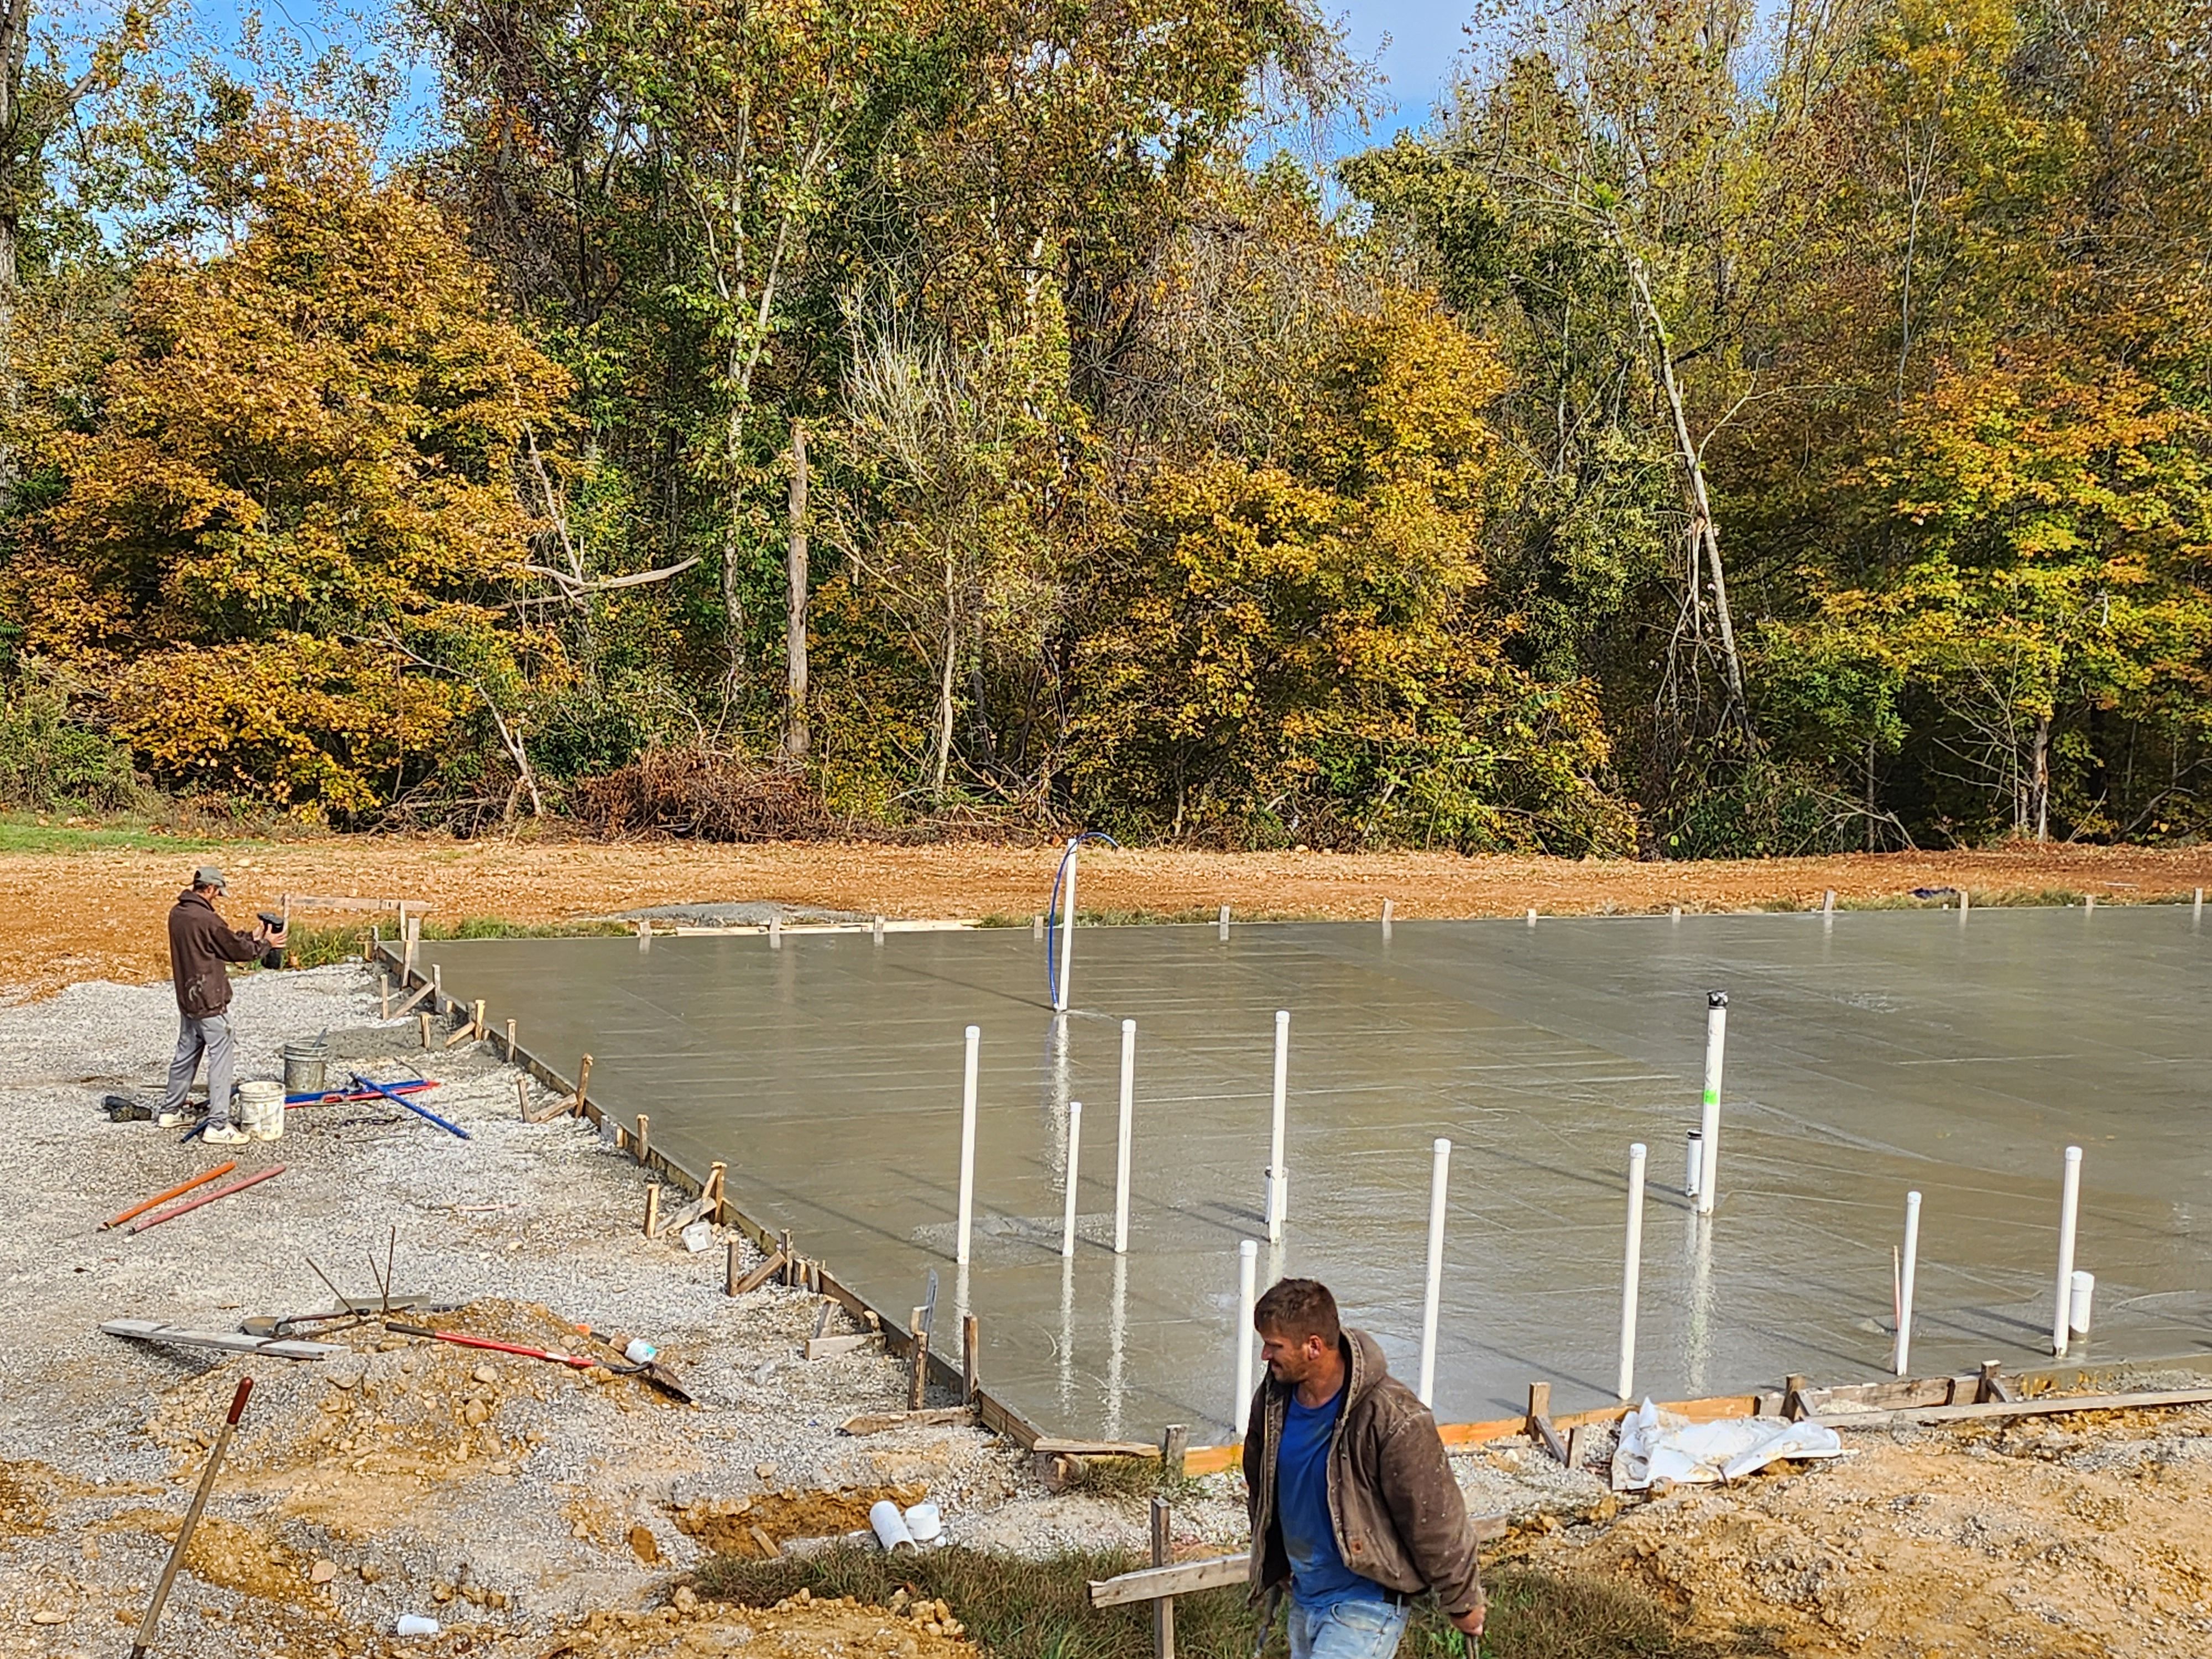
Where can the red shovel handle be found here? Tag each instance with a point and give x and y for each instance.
(238, 1401)
(463, 1340)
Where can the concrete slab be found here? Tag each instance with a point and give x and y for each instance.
(1882, 1051)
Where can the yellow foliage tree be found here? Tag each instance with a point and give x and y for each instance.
(305, 441)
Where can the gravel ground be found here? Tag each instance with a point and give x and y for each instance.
(503, 1495)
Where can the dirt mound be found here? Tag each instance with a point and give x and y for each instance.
(728, 1526)
(802, 1627)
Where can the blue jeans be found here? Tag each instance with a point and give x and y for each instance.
(1359, 1629)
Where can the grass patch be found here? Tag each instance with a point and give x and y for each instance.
(314, 946)
(1017, 1609)
(29, 832)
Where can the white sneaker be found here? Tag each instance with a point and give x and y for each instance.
(170, 1120)
(225, 1134)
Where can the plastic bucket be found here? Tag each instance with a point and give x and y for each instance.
(305, 1066)
(261, 1110)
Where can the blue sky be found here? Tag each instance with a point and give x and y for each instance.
(1424, 37)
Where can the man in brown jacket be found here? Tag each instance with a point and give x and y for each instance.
(201, 945)
(1351, 1498)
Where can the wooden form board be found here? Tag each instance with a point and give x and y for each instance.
(1189, 1577)
(152, 1330)
(2045, 1406)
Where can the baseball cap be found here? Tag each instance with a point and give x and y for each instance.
(207, 875)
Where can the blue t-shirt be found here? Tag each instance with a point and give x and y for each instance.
(1319, 1578)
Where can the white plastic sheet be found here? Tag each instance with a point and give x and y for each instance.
(1656, 1445)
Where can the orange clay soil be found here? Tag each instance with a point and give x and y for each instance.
(98, 915)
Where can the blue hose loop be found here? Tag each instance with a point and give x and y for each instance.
(1051, 909)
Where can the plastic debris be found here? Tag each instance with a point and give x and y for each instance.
(1656, 1445)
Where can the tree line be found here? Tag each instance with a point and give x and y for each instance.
(1710, 433)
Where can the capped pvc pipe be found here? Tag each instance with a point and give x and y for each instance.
(1067, 927)
(1966, 902)
(886, 1521)
(1278, 1176)
(1693, 1162)
(1248, 1294)
(1911, 1261)
(1715, 1048)
(1122, 1158)
(1074, 1145)
(967, 1145)
(2081, 1291)
(1532, 918)
(1224, 922)
(1439, 1180)
(2069, 1207)
(1632, 1271)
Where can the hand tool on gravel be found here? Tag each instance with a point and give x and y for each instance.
(419, 1111)
(176, 1191)
(462, 1339)
(255, 1179)
(191, 1519)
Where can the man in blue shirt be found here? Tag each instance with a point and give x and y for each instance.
(1351, 1498)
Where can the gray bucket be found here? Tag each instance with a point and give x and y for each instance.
(305, 1065)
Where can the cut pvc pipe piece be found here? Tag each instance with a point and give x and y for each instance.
(1912, 1263)
(1532, 918)
(2082, 1292)
(1631, 1272)
(2069, 1205)
(1074, 1145)
(1248, 1294)
(967, 1225)
(1439, 1180)
(1693, 1162)
(1278, 1176)
(1068, 927)
(1715, 1048)
(879, 930)
(887, 1523)
(775, 933)
(1121, 1151)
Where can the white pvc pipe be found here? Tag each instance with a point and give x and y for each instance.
(1716, 1047)
(2196, 911)
(879, 930)
(1632, 1271)
(1966, 902)
(1067, 929)
(1129, 1116)
(967, 1145)
(1224, 922)
(1074, 1145)
(1439, 1180)
(775, 933)
(1911, 1261)
(1532, 918)
(1248, 1293)
(1389, 911)
(2084, 1293)
(1278, 1178)
(2069, 1207)
(1828, 902)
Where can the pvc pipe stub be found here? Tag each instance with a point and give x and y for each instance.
(2081, 1291)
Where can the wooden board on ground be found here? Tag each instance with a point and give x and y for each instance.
(152, 1330)
(829, 1347)
(2048, 1405)
(1189, 1578)
(884, 1422)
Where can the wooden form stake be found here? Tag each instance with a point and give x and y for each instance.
(522, 1096)
(1162, 1551)
(970, 1358)
(423, 1027)
(644, 1129)
(583, 1082)
(510, 1043)
(1175, 1447)
(777, 1262)
(1540, 1421)
(711, 1200)
(652, 1209)
(918, 1376)
(730, 1275)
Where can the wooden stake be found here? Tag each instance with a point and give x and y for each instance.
(1163, 1552)
(918, 1380)
(644, 1127)
(785, 1251)
(522, 1096)
(384, 995)
(583, 1082)
(510, 1043)
(477, 1021)
(713, 1196)
(970, 1358)
(759, 1276)
(651, 1209)
(1175, 1446)
(730, 1271)
(423, 1026)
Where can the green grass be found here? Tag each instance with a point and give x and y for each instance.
(1017, 1609)
(36, 832)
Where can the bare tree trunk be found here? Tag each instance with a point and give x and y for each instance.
(734, 603)
(1704, 531)
(943, 762)
(2041, 786)
(795, 734)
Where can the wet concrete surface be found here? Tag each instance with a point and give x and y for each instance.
(1881, 1052)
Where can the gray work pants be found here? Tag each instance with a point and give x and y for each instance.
(209, 1036)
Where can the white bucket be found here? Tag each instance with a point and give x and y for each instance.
(261, 1110)
(2080, 1292)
